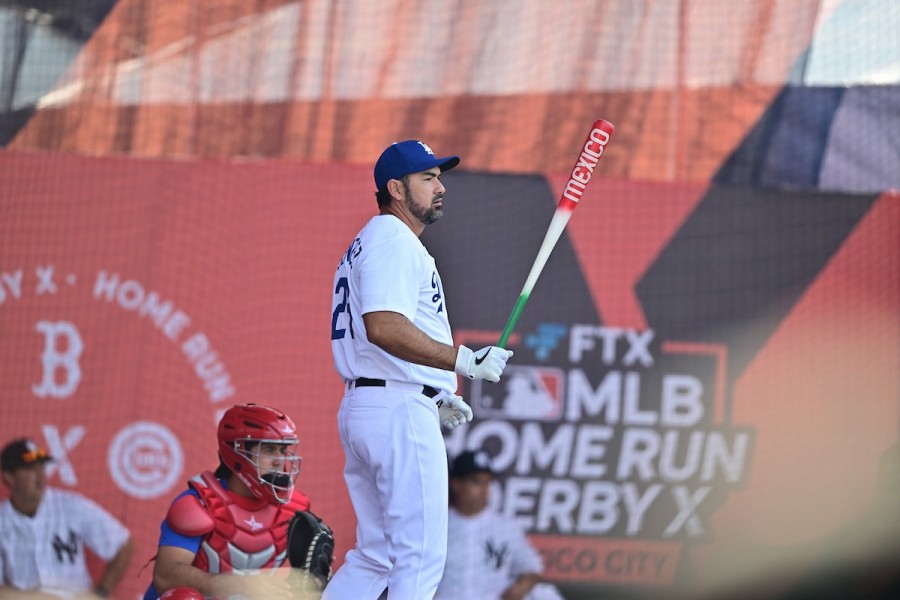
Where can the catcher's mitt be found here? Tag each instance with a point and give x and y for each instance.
(310, 546)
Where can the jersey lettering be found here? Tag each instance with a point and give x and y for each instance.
(438, 296)
(342, 288)
(352, 252)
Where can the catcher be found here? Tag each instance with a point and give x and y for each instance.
(231, 532)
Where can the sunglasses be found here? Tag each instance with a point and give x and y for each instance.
(34, 455)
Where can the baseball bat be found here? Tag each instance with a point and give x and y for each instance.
(591, 151)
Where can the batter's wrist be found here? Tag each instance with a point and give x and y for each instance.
(463, 358)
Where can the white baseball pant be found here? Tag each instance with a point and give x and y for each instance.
(396, 473)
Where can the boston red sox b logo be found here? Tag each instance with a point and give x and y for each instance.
(62, 349)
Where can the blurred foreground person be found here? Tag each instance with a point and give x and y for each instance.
(43, 531)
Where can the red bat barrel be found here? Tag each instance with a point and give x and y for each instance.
(596, 141)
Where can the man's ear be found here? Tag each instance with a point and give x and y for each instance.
(7, 479)
(395, 187)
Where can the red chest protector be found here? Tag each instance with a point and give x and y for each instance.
(239, 533)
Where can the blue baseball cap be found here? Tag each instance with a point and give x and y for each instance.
(412, 156)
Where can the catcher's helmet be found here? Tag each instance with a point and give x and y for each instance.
(182, 593)
(244, 431)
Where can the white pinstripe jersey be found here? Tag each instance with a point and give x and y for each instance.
(46, 551)
(485, 554)
(387, 268)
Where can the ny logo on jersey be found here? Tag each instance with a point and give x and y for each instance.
(70, 547)
(495, 555)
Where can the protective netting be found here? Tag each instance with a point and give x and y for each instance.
(508, 85)
(705, 385)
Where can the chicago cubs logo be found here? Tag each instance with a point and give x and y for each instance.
(145, 459)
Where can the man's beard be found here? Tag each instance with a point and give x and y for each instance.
(425, 215)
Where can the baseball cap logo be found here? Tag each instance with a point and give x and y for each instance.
(21, 453)
(481, 460)
(427, 149)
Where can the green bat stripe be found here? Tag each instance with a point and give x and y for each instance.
(513, 318)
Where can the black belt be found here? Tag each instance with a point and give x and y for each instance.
(366, 382)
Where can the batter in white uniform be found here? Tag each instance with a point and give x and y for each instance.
(43, 532)
(392, 346)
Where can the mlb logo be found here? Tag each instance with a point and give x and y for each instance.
(534, 393)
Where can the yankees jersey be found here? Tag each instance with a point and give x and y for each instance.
(387, 268)
(46, 551)
(486, 553)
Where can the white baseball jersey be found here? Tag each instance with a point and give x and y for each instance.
(46, 551)
(396, 462)
(387, 268)
(486, 553)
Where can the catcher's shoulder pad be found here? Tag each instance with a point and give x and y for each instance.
(188, 516)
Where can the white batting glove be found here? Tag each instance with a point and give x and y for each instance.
(453, 411)
(488, 363)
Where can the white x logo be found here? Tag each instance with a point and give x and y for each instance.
(59, 450)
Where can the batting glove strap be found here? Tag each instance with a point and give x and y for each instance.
(464, 357)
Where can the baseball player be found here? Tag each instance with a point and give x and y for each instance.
(234, 522)
(392, 345)
(43, 532)
(488, 555)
